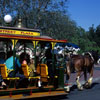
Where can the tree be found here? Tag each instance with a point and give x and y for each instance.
(91, 33)
(97, 35)
(48, 15)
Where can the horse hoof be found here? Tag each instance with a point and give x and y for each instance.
(80, 88)
(87, 85)
(67, 89)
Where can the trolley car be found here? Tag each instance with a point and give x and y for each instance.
(47, 72)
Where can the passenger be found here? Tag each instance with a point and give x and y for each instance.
(32, 67)
(24, 58)
(15, 72)
(37, 57)
(48, 55)
(10, 61)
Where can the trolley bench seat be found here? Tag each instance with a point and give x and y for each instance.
(4, 73)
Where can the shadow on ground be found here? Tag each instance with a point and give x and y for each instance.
(93, 85)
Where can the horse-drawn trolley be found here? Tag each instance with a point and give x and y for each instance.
(31, 70)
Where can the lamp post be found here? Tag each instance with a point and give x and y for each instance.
(19, 23)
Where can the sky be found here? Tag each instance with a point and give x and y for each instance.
(85, 12)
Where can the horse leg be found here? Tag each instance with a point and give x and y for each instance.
(85, 78)
(91, 78)
(85, 75)
(79, 86)
(67, 87)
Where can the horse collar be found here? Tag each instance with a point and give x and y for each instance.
(91, 56)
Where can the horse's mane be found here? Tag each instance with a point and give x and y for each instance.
(93, 55)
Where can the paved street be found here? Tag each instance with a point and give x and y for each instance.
(96, 76)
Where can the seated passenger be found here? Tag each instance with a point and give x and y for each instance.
(10, 61)
(32, 67)
(25, 59)
(14, 71)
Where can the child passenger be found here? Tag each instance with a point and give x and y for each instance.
(32, 67)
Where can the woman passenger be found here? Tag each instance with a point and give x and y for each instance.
(25, 59)
(14, 71)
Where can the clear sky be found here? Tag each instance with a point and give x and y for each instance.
(85, 12)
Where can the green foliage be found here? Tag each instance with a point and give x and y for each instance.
(52, 18)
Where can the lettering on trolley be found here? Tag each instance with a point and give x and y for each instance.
(18, 32)
(8, 31)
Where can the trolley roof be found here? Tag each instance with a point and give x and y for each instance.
(24, 33)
